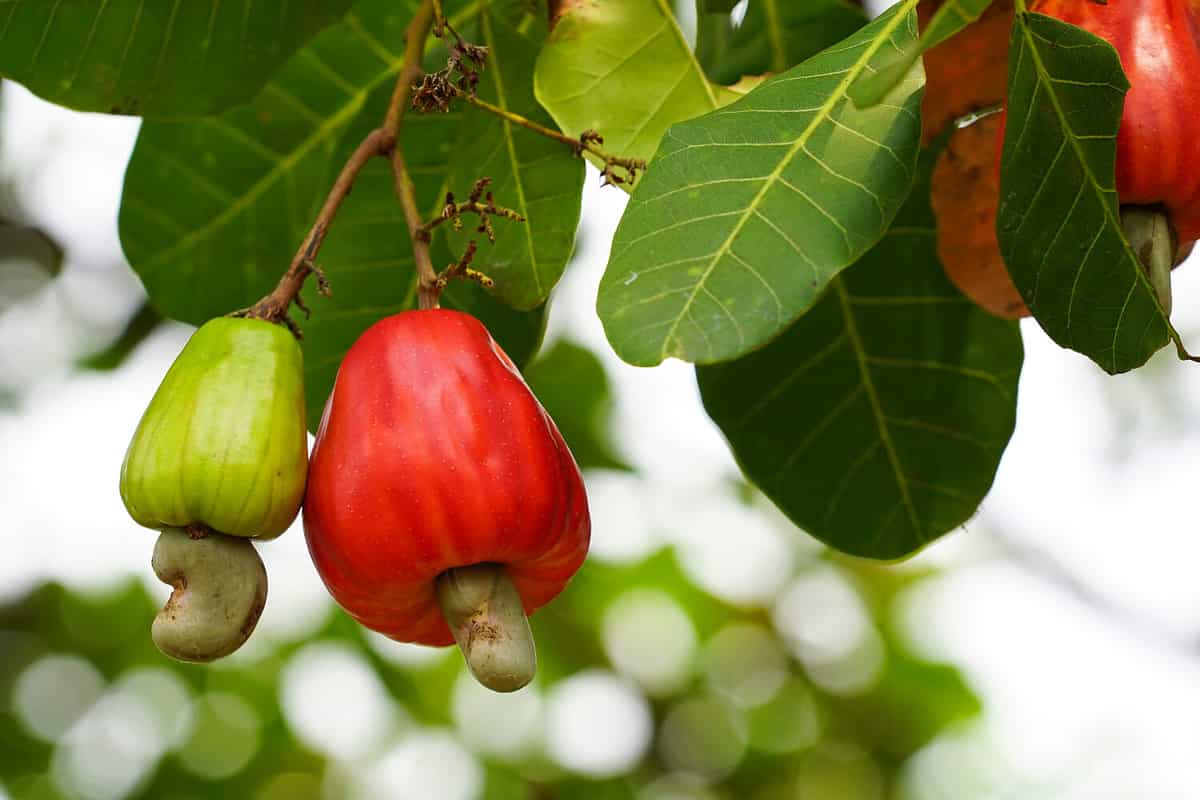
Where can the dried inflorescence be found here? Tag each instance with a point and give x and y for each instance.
(460, 76)
(592, 142)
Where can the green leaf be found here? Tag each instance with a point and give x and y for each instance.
(774, 36)
(715, 6)
(571, 384)
(29, 259)
(538, 177)
(624, 69)
(143, 323)
(1058, 223)
(154, 58)
(951, 17)
(214, 209)
(877, 421)
(914, 702)
(748, 213)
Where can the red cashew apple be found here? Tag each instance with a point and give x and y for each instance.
(1158, 142)
(442, 502)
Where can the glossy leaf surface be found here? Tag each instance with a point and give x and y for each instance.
(877, 421)
(773, 36)
(153, 57)
(624, 69)
(537, 177)
(749, 212)
(1058, 223)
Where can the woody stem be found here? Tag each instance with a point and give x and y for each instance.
(414, 49)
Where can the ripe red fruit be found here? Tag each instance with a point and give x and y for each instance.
(1158, 145)
(434, 455)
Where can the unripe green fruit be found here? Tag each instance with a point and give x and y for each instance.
(223, 443)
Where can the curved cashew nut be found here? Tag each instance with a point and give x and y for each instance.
(220, 590)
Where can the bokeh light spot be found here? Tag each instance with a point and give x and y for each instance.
(788, 723)
(503, 725)
(732, 551)
(108, 752)
(703, 736)
(426, 764)
(826, 625)
(290, 786)
(224, 737)
(169, 700)
(649, 637)
(840, 771)
(622, 531)
(744, 662)
(335, 703)
(677, 786)
(296, 611)
(597, 724)
(55, 691)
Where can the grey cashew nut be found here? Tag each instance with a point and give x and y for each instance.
(220, 590)
(484, 611)
(1153, 239)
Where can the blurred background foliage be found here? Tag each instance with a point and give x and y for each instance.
(648, 687)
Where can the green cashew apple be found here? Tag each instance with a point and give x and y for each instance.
(223, 446)
(220, 589)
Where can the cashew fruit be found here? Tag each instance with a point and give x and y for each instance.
(432, 456)
(223, 444)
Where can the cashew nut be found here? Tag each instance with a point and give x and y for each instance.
(484, 611)
(220, 588)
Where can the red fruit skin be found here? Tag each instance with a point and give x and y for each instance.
(1158, 145)
(432, 454)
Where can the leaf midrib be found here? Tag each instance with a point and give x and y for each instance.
(696, 68)
(510, 146)
(820, 115)
(285, 164)
(1139, 275)
(868, 382)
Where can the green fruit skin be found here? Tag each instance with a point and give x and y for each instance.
(224, 441)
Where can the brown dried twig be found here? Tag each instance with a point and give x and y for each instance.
(482, 203)
(462, 269)
(382, 141)
(459, 79)
(477, 203)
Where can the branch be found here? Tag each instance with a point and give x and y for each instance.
(435, 91)
(380, 142)
(275, 306)
(459, 78)
(1044, 565)
(452, 212)
(462, 269)
(414, 49)
(439, 19)
(588, 141)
